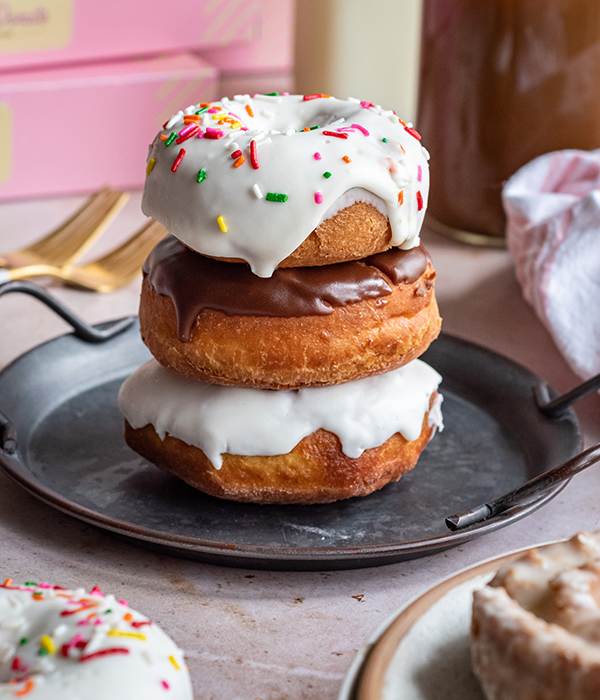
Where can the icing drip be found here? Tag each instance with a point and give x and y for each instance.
(195, 282)
(219, 419)
(359, 146)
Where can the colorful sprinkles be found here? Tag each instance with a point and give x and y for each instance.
(32, 662)
(133, 635)
(47, 644)
(276, 197)
(187, 133)
(212, 133)
(413, 132)
(254, 155)
(177, 161)
(215, 121)
(26, 689)
(103, 652)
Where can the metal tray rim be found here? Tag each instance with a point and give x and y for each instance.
(390, 552)
(14, 470)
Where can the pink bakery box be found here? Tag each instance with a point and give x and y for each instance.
(35, 32)
(76, 129)
(272, 50)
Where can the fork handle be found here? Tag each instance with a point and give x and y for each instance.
(11, 274)
(81, 328)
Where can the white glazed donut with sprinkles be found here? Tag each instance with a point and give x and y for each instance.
(68, 645)
(250, 178)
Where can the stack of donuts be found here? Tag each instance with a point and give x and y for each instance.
(288, 307)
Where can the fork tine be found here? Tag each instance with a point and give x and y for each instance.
(56, 235)
(79, 232)
(134, 251)
(120, 266)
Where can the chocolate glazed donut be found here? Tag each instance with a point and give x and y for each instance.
(312, 326)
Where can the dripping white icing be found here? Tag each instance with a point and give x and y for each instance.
(218, 419)
(264, 232)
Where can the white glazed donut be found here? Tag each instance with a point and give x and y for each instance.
(238, 420)
(70, 645)
(251, 178)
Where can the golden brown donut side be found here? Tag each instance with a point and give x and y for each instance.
(353, 233)
(315, 471)
(354, 341)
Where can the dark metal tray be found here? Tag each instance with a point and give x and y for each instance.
(61, 400)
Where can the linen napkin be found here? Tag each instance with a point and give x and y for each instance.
(553, 235)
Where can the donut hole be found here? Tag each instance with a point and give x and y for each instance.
(306, 118)
(324, 119)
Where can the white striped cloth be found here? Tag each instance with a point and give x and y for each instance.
(553, 235)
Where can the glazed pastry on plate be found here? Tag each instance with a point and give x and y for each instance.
(536, 627)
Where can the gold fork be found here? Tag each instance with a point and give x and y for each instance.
(116, 268)
(70, 240)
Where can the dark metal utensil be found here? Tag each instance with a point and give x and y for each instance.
(529, 489)
(555, 406)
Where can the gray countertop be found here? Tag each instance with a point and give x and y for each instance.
(260, 634)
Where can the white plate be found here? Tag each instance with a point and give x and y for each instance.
(422, 652)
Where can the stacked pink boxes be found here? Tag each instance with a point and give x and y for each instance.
(85, 84)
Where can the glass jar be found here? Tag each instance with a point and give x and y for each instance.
(502, 81)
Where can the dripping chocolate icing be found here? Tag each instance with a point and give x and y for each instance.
(195, 282)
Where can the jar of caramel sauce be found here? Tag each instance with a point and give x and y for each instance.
(502, 81)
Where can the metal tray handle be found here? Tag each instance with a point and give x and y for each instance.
(556, 406)
(81, 329)
(553, 407)
(528, 490)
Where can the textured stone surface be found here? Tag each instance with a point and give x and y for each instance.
(259, 634)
